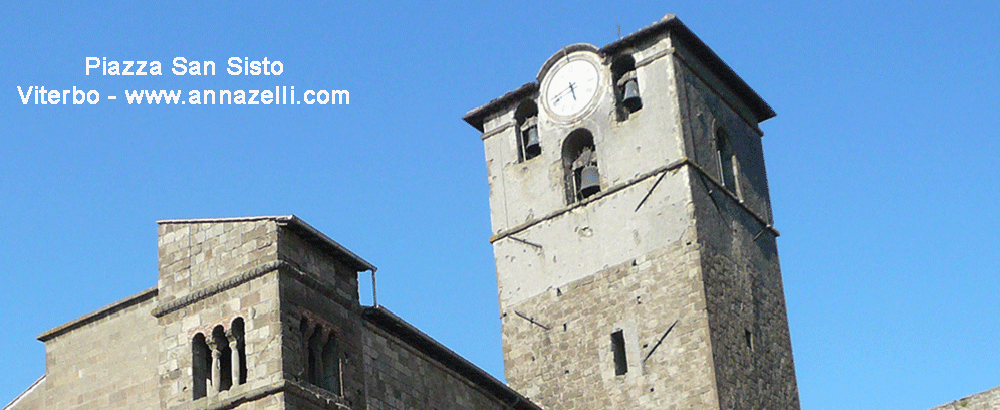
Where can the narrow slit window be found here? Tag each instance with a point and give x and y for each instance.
(618, 349)
(727, 161)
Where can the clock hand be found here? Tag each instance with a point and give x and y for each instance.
(571, 90)
(562, 93)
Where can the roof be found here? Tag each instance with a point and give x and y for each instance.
(670, 23)
(293, 223)
(98, 314)
(384, 319)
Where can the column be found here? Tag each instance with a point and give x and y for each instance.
(216, 350)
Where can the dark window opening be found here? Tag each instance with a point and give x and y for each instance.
(241, 351)
(218, 362)
(618, 349)
(224, 360)
(727, 161)
(201, 363)
(323, 362)
(526, 121)
(580, 166)
(626, 86)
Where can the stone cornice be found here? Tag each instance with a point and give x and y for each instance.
(225, 401)
(244, 277)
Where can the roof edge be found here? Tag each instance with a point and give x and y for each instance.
(24, 393)
(356, 262)
(100, 313)
(297, 224)
(384, 319)
(760, 108)
(762, 111)
(476, 116)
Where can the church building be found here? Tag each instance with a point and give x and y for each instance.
(636, 261)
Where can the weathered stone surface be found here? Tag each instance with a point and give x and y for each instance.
(987, 400)
(681, 232)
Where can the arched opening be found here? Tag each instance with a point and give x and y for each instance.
(579, 159)
(239, 356)
(222, 377)
(331, 364)
(317, 370)
(201, 363)
(626, 85)
(526, 118)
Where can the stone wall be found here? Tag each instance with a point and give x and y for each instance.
(739, 259)
(400, 377)
(105, 362)
(216, 273)
(564, 360)
(195, 254)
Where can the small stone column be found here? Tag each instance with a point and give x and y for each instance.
(216, 350)
(235, 362)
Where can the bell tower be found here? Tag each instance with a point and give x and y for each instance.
(631, 225)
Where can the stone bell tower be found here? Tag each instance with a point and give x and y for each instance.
(260, 312)
(631, 224)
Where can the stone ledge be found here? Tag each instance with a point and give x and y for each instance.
(223, 401)
(237, 280)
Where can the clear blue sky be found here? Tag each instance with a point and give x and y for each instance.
(880, 161)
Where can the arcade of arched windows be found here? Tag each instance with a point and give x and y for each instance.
(322, 364)
(218, 360)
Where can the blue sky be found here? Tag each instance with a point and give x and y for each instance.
(887, 116)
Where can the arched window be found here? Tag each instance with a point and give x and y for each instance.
(321, 354)
(626, 86)
(331, 365)
(222, 378)
(219, 361)
(579, 159)
(237, 343)
(201, 363)
(526, 117)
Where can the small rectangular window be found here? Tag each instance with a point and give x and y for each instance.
(618, 348)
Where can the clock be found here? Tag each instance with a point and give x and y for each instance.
(571, 88)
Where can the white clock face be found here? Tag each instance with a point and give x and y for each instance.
(571, 88)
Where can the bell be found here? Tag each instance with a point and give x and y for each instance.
(531, 147)
(632, 101)
(589, 181)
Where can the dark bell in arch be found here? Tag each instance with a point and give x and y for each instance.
(632, 101)
(531, 147)
(589, 181)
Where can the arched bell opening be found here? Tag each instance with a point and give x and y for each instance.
(579, 158)
(526, 117)
(626, 85)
